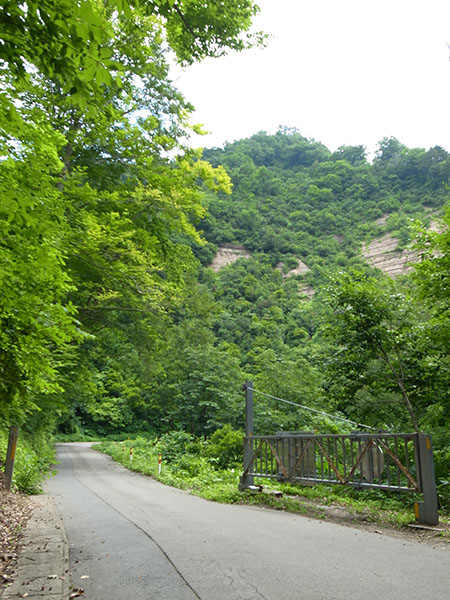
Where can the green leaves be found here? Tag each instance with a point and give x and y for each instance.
(379, 341)
(94, 214)
(62, 38)
(197, 29)
(35, 321)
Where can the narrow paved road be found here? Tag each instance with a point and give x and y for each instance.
(137, 539)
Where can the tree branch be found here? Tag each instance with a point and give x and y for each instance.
(398, 380)
(183, 18)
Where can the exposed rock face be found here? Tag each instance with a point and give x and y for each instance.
(437, 226)
(300, 269)
(382, 253)
(230, 253)
(307, 291)
(382, 220)
(227, 255)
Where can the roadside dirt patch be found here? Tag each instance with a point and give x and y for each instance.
(15, 510)
(438, 536)
(434, 536)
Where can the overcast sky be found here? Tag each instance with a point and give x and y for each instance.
(344, 72)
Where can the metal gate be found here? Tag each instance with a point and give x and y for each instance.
(386, 461)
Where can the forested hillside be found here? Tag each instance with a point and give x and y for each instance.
(338, 298)
(116, 315)
(301, 312)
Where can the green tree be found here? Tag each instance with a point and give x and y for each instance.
(389, 151)
(431, 275)
(70, 42)
(91, 204)
(432, 270)
(372, 326)
(36, 320)
(355, 155)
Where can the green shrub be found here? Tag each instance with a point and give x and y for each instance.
(177, 444)
(443, 489)
(225, 447)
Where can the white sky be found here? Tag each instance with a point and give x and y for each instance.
(344, 72)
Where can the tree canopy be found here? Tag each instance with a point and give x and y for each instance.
(99, 195)
(73, 42)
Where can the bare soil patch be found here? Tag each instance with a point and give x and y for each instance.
(15, 510)
(227, 255)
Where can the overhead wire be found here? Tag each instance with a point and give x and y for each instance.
(319, 412)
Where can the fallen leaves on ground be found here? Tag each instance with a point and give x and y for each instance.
(15, 509)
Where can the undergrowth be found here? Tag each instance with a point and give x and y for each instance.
(211, 469)
(33, 458)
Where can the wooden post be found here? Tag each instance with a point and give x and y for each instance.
(10, 456)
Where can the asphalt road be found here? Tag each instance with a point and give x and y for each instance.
(131, 537)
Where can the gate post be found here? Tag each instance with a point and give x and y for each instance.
(247, 480)
(10, 456)
(426, 511)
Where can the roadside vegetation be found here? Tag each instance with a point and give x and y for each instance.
(33, 460)
(112, 318)
(211, 468)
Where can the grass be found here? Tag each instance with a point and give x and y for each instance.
(211, 469)
(191, 464)
(33, 458)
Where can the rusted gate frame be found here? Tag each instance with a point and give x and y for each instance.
(403, 469)
(255, 455)
(425, 512)
(301, 455)
(346, 478)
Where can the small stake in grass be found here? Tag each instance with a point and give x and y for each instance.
(159, 464)
(131, 454)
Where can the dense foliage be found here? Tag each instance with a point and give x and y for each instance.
(361, 345)
(211, 468)
(98, 199)
(100, 194)
(111, 316)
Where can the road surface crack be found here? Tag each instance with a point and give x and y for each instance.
(148, 535)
